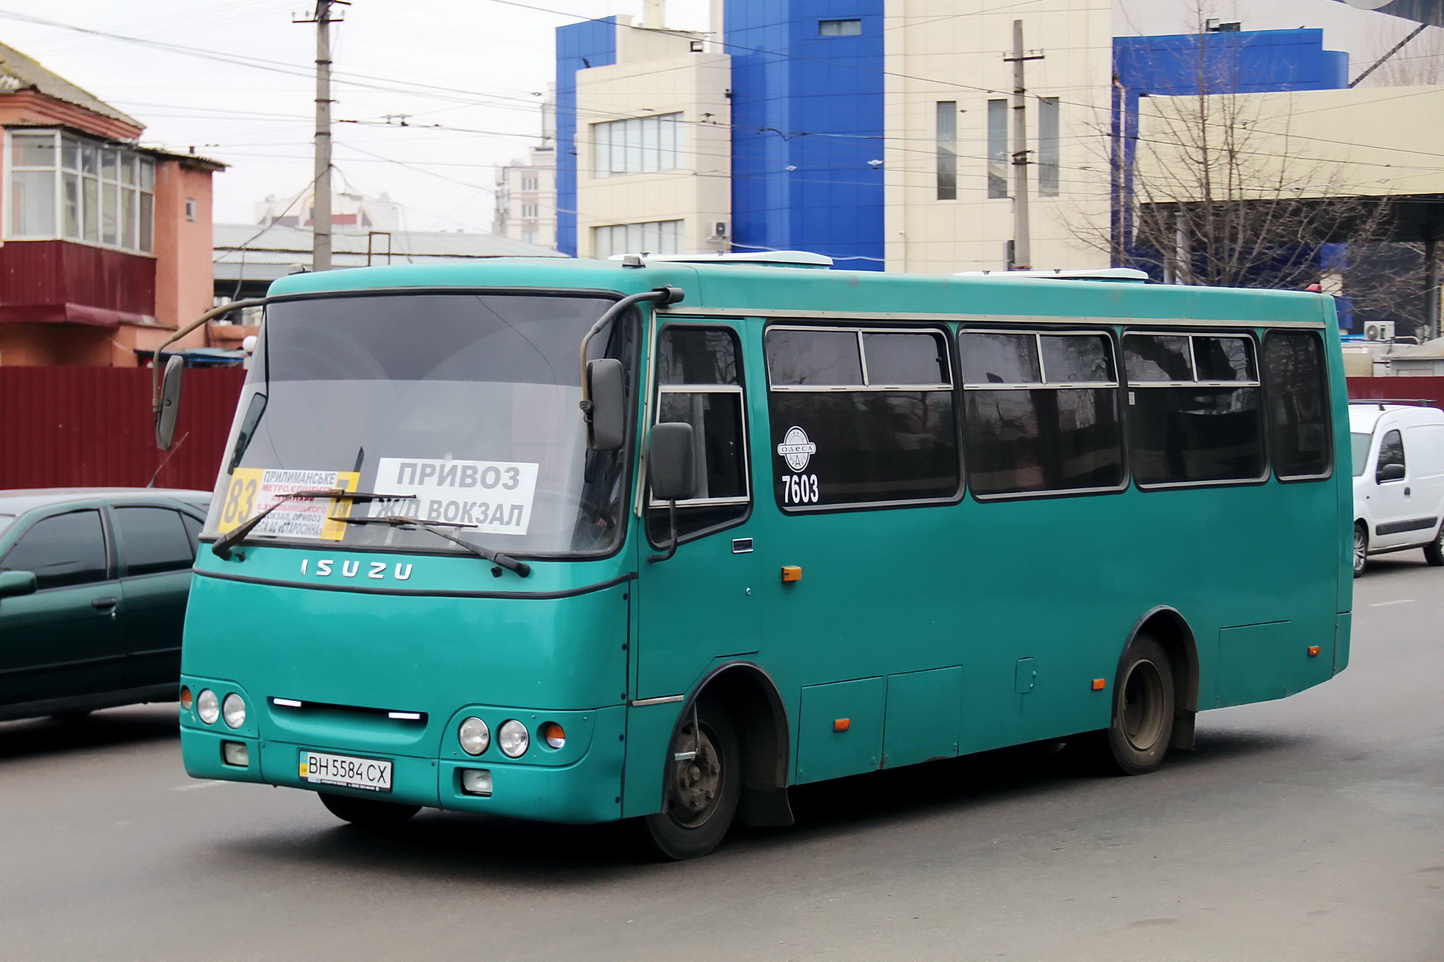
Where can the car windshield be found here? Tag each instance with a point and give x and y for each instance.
(1361, 451)
(464, 406)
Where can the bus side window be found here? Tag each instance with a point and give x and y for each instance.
(1299, 430)
(861, 416)
(1041, 412)
(1194, 408)
(699, 381)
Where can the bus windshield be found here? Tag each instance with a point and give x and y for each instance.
(463, 406)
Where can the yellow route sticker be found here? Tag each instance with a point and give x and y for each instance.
(250, 491)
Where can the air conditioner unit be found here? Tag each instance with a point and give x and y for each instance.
(1379, 331)
(719, 230)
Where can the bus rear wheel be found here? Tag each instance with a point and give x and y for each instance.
(703, 785)
(1142, 708)
(367, 812)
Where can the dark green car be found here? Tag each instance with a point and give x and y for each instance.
(93, 588)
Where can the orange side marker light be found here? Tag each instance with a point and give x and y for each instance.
(791, 573)
(841, 724)
(1099, 684)
(1314, 651)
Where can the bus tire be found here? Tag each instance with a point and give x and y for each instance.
(1434, 550)
(1143, 700)
(1361, 549)
(702, 789)
(367, 812)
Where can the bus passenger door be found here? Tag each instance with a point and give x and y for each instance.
(699, 604)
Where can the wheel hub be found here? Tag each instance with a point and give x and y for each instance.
(696, 782)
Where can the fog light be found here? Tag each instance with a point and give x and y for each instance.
(476, 781)
(235, 753)
(513, 738)
(553, 735)
(474, 736)
(208, 706)
(233, 709)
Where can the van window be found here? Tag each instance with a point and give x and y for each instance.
(1361, 444)
(1391, 452)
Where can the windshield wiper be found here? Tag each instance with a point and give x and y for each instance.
(436, 527)
(224, 544)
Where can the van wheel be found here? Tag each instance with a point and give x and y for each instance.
(1142, 708)
(367, 812)
(1434, 550)
(1361, 550)
(702, 787)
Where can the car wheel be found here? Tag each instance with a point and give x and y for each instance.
(1434, 550)
(1361, 549)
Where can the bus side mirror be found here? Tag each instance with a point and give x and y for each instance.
(1390, 472)
(670, 462)
(607, 405)
(13, 583)
(165, 415)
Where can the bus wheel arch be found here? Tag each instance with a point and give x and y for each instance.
(1172, 633)
(741, 704)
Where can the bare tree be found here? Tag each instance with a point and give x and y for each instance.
(1220, 189)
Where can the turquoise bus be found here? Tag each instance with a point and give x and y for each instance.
(657, 539)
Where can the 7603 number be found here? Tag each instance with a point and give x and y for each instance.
(799, 489)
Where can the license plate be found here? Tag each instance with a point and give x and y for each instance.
(369, 774)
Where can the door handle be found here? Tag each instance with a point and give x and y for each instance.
(105, 604)
(1406, 492)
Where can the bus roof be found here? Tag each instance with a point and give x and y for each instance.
(742, 289)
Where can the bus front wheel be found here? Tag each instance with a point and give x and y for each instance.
(1142, 708)
(367, 812)
(703, 785)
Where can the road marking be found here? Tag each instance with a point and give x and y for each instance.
(1385, 604)
(209, 783)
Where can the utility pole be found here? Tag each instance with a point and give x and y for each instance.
(321, 185)
(1022, 241)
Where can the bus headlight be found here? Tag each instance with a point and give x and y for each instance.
(208, 706)
(233, 710)
(474, 736)
(513, 738)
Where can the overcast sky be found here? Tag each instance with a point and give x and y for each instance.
(234, 80)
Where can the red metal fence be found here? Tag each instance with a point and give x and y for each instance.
(89, 426)
(83, 426)
(1430, 389)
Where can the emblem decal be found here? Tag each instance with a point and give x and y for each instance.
(796, 448)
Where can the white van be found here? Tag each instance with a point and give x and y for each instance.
(1398, 479)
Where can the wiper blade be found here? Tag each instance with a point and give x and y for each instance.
(437, 528)
(224, 544)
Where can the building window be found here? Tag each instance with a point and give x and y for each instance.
(839, 28)
(652, 237)
(642, 145)
(528, 183)
(67, 187)
(947, 150)
(1048, 146)
(997, 148)
(528, 210)
(191, 209)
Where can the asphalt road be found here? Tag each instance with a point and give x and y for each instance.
(1308, 829)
